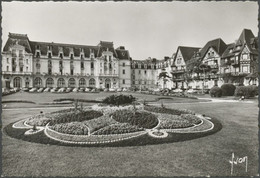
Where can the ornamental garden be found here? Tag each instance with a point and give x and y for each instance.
(119, 120)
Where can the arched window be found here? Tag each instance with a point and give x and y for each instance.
(72, 82)
(92, 82)
(17, 82)
(61, 82)
(49, 82)
(38, 82)
(82, 82)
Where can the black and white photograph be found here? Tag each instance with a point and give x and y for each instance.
(128, 88)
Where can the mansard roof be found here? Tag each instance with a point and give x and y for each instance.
(106, 46)
(30, 47)
(122, 53)
(20, 39)
(218, 45)
(66, 48)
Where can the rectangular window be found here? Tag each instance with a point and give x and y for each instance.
(245, 69)
(244, 56)
(7, 68)
(71, 71)
(145, 72)
(139, 71)
(27, 61)
(123, 64)
(82, 65)
(123, 71)
(7, 60)
(123, 81)
(26, 69)
(21, 69)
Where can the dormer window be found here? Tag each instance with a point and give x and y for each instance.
(38, 54)
(49, 55)
(71, 56)
(37, 47)
(230, 50)
(81, 56)
(61, 55)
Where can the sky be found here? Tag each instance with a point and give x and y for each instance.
(146, 29)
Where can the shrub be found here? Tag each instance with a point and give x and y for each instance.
(119, 128)
(75, 128)
(228, 89)
(246, 91)
(119, 99)
(167, 110)
(215, 92)
(138, 118)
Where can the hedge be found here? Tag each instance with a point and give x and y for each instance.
(215, 92)
(228, 89)
(246, 91)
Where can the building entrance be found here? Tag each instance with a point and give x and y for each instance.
(108, 83)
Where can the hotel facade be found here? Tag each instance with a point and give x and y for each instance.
(28, 64)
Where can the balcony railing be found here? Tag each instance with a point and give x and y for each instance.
(15, 72)
(177, 71)
(108, 75)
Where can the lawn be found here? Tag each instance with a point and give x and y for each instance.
(208, 155)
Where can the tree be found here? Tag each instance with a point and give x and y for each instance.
(163, 76)
(204, 68)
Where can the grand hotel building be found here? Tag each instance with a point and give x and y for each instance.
(27, 64)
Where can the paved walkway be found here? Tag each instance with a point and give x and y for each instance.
(219, 100)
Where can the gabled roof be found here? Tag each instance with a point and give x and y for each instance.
(218, 45)
(187, 52)
(245, 38)
(20, 39)
(227, 51)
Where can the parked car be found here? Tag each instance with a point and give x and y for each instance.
(112, 89)
(119, 90)
(125, 89)
(190, 91)
(25, 89)
(68, 90)
(81, 90)
(94, 90)
(54, 90)
(33, 90)
(177, 90)
(61, 90)
(46, 90)
(87, 90)
(40, 90)
(75, 90)
(106, 89)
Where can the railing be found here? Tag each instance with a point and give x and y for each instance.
(15, 72)
(178, 71)
(108, 75)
